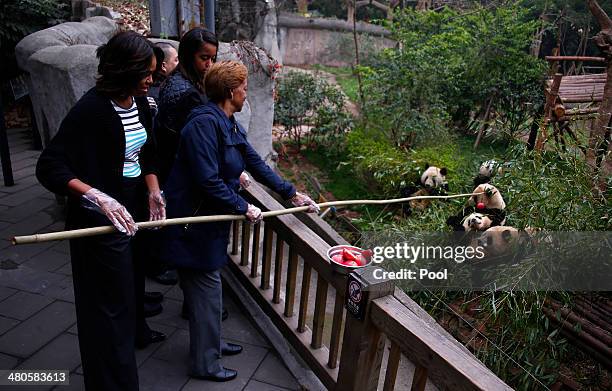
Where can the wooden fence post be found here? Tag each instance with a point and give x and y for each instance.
(363, 343)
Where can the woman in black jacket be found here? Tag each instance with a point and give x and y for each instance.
(102, 159)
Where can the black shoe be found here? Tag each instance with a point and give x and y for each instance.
(153, 297)
(224, 374)
(154, 337)
(152, 309)
(169, 277)
(231, 349)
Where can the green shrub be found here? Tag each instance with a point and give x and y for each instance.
(446, 67)
(305, 100)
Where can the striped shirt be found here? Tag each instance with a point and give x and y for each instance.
(135, 137)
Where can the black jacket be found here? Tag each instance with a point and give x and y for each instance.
(177, 98)
(90, 146)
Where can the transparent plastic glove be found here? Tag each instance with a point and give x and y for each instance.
(300, 199)
(157, 206)
(116, 213)
(245, 180)
(253, 214)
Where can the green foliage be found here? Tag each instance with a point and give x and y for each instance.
(446, 66)
(303, 100)
(553, 192)
(19, 18)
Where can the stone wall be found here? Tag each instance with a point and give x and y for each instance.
(62, 65)
(307, 41)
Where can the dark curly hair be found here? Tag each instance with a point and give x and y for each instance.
(190, 43)
(124, 61)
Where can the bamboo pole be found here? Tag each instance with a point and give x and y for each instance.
(84, 232)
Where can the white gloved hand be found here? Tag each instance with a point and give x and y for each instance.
(300, 199)
(157, 206)
(116, 213)
(253, 214)
(245, 181)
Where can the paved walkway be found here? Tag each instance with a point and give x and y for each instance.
(37, 318)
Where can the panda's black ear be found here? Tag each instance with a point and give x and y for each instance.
(443, 171)
(426, 166)
(507, 236)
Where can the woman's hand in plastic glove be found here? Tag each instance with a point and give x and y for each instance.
(253, 214)
(300, 199)
(116, 213)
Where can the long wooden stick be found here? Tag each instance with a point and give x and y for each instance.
(80, 233)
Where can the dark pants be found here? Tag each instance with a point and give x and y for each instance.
(108, 279)
(103, 276)
(204, 298)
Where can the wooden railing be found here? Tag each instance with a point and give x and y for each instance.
(344, 352)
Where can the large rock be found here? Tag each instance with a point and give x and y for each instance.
(62, 66)
(259, 113)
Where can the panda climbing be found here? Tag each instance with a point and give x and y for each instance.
(484, 210)
(432, 182)
(486, 171)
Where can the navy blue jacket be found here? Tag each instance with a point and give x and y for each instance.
(204, 180)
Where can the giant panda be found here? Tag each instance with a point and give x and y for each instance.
(502, 240)
(476, 222)
(490, 204)
(432, 182)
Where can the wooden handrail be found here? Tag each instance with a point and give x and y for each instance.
(447, 366)
(352, 361)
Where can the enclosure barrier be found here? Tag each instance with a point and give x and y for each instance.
(345, 353)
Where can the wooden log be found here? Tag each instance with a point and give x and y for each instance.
(266, 265)
(586, 325)
(336, 331)
(255, 254)
(575, 58)
(306, 274)
(582, 336)
(291, 282)
(392, 365)
(550, 101)
(318, 321)
(278, 270)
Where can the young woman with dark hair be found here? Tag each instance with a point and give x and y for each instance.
(102, 158)
(183, 91)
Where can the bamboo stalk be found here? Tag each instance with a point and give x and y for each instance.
(84, 232)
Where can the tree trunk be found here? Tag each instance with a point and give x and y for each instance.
(603, 40)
